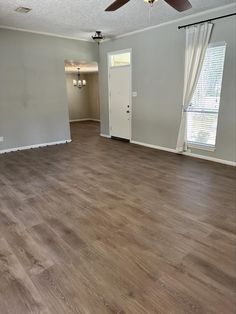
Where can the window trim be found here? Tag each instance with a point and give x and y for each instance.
(119, 52)
(209, 147)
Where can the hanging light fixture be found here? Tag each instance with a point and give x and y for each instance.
(79, 83)
(98, 37)
(150, 2)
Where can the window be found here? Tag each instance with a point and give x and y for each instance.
(202, 115)
(120, 59)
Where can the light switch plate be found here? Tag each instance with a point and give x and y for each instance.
(134, 94)
(1, 139)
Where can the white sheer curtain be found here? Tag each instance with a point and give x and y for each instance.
(197, 40)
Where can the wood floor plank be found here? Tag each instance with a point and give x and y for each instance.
(29, 253)
(17, 292)
(101, 226)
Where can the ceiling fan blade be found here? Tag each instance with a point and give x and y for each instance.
(179, 5)
(116, 5)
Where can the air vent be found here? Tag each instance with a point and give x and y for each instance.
(22, 10)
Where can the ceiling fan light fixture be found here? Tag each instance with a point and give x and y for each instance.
(151, 2)
(98, 37)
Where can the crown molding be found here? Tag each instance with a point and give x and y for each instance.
(179, 20)
(43, 33)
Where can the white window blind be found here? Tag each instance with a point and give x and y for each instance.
(202, 115)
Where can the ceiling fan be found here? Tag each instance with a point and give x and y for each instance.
(179, 5)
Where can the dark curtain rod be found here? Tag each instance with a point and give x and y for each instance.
(215, 18)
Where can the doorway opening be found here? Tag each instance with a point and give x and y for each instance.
(82, 94)
(120, 100)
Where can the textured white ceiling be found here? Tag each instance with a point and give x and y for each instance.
(71, 66)
(80, 18)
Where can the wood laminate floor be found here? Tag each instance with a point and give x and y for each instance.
(102, 226)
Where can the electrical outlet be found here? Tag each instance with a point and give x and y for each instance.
(1, 139)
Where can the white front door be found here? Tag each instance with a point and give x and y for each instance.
(120, 101)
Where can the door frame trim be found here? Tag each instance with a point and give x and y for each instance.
(109, 54)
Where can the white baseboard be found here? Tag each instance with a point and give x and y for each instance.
(85, 119)
(9, 150)
(154, 146)
(222, 161)
(78, 120)
(105, 135)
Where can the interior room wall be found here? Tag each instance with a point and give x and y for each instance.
(33, 99)
(94, 101)
(157, 77)
(83, 103)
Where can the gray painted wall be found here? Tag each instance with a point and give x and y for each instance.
(94, 101)
(33, 99)
(83, 102)
(158, 73)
